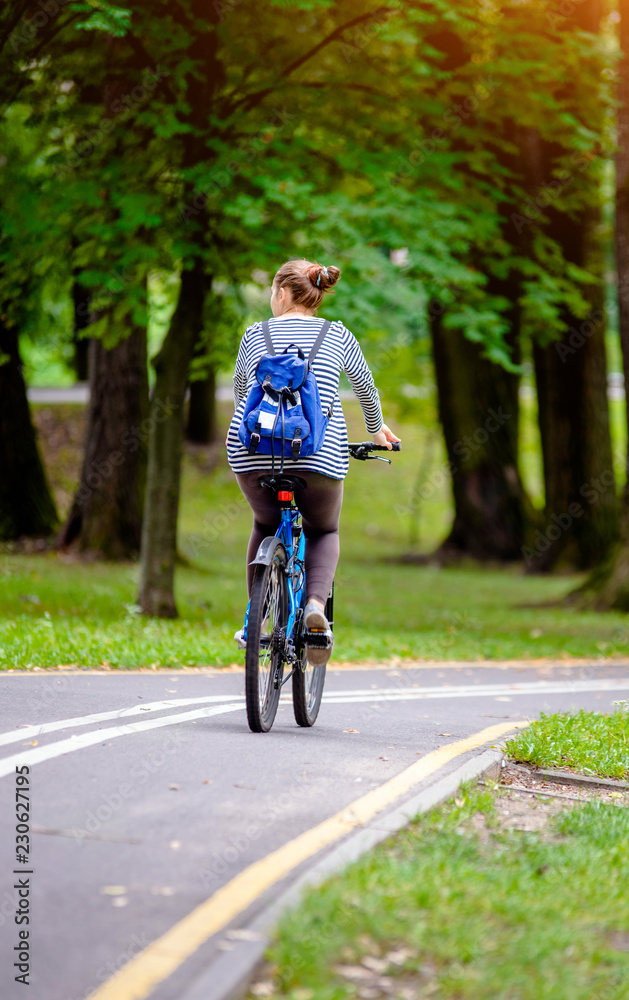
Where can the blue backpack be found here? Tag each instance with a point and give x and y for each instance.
(283, 413)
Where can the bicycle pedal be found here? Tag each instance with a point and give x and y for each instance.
(318, 638)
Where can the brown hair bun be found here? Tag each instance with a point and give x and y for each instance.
(307, 281)
(323, 277)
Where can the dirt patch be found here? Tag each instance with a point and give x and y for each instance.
(525, 802)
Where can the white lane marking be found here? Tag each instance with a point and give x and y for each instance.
(477, 690)
(30, 757)
(359, 695)
(31, 732)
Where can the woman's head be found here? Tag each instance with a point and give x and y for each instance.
(301, 284)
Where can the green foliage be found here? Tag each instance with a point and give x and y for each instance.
(161, 132)
(454, 906)
(103, 17)
(588, 742)
(56, 610)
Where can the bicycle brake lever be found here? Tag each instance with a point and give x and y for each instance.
(377, 458)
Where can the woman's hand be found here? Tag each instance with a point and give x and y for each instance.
(385, 437)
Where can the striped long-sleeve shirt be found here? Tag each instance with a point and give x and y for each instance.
(339, 352)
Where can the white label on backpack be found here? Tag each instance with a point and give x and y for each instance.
(268, 417)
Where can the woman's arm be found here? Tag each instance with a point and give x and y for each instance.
(240, 372)
(361, 381)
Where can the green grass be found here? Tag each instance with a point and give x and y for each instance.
(449, 915)
(588, 742)
(55, 610)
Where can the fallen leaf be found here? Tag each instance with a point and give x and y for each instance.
(244, 935)
(351, 730)
(120, 901)
(383, 758)
(175, 845)
(399, 956)
(113, 890)
(353, 972)
(265, 989)
(374, 964)
(173, 788)
(445, 734)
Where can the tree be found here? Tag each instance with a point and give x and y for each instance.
(26, 503)
(608, 586)
(559, 220)
(106, 514)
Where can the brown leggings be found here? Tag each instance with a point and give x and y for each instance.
(320, 505)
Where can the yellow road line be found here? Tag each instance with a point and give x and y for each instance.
(137, 979)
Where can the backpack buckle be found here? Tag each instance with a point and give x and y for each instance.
(255, 440)
(295, 445)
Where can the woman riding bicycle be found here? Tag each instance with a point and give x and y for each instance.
(297, 292)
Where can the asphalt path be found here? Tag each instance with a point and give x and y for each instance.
(148, 793)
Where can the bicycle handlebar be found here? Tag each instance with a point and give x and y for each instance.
(361, 449)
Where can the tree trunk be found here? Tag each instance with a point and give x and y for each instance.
(202, 425)
(581, 509)
(26, 503)
(608, 586)
(479, 413)
(581, 514)
(81, 298)
(106, 514)
(159, 532)
(581, 517)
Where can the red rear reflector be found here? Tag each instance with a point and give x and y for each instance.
(284, 495)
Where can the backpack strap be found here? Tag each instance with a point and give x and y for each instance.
(317, 344)
(267, 337)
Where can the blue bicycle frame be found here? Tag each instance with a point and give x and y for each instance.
(289, 528)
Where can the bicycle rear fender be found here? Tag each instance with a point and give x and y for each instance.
(267, 551)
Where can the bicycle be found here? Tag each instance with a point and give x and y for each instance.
(273, 634)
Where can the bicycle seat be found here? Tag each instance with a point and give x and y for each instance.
(288, 484)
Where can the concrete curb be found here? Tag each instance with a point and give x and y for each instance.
(570, 778)
(229, 976)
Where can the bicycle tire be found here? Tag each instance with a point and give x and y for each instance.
(308, 681)
(264, 657)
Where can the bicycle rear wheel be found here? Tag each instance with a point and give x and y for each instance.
(266, 633)
(308, 681)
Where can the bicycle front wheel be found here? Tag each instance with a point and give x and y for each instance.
(266, 636)
(308, 681)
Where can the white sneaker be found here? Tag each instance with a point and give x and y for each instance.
(320, 650)
(238, 636)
